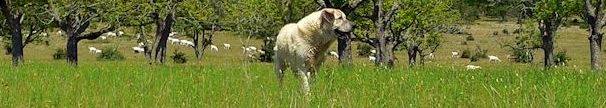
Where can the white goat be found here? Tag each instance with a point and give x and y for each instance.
(492, 58)
(455, 54)
(103, 37)
(173, 34)
(226, 46)
(111, 34)
(372, 58)
(334, 54)
(120, 33)
(431, 56)
(138, 49)
(250, 49)
(472, 67)
(174, 40)
(98, 51)
(186, 42)
(214, 48)
(92, 49)
(373, 51)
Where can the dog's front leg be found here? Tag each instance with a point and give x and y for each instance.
(304, 80)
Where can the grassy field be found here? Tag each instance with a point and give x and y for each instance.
(224, 79)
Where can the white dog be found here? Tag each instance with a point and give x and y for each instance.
(303, 45)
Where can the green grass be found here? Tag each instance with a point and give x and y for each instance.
(222, 79)
(119, 84)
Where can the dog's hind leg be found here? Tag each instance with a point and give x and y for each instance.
(279, 67)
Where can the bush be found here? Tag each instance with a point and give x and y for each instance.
(110, 54)
(522, 55)
(179, 57)
(469, 38)
(268, 49)
(505, 31)
(466, 53)
(480, 52)
(474, 58)
(363, 50)
(561, 58)
(517, 31)
(59, 54)
(464, 43)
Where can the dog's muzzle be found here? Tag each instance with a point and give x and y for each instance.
(342, 35)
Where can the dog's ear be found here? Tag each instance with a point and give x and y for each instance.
(327, 15)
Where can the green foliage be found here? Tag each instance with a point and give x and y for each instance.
(525, 41)
(561, 58)
(522, 55)
(481, 52)
(474, 58)
(423, 21)
(110, 54)
(478, 54)
(179, 57)
(466, 53)
(59, 54)
(363, 50)
(268, 50)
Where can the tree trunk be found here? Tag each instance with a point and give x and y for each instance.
(146, 48)
(412, 54)
(15, 30)
(163, 28)
(205, 43)
(17, 45)
(196, 45)
(594, 47)
(72, 49)
(547, 47)
(384, 52)
(344, 51)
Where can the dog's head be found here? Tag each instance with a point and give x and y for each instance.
(337, 19)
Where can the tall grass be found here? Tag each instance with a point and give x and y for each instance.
(124, 84)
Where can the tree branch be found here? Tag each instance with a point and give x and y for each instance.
(351, 6)
(324, 4)
(391, 12)
(81, 28)
(95, 35)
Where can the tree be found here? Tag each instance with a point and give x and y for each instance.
(594, 15)
(419, 25)
(205, 18)
(161, 13)
(384, 42)
(343, 43)
(21, 14)
(548, 14)
(75, 17)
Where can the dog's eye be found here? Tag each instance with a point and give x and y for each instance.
(339, 17)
